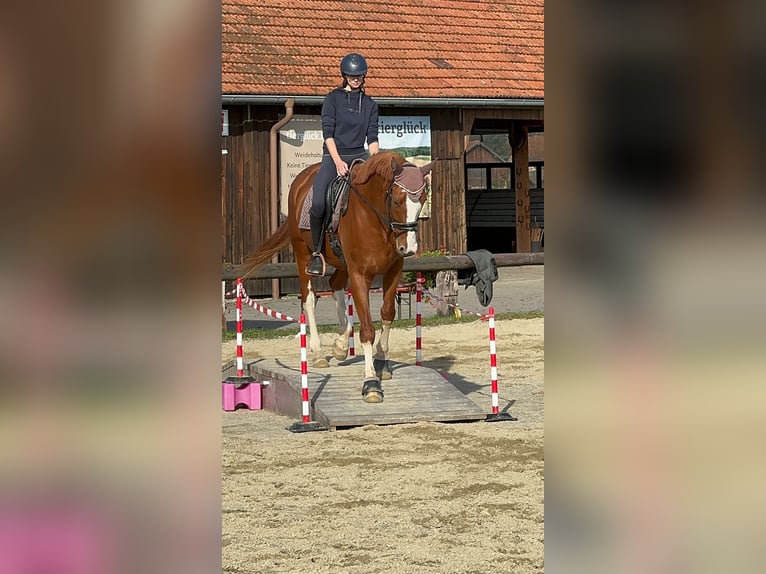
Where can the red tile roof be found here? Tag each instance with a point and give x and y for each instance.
(414, 48)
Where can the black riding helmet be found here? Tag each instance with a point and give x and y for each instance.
(353, 65)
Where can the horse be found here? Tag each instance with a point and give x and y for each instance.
(377, 230)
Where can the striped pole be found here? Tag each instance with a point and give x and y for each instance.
(418, 319)
(350, 299)
(266, 311)
(304, 371)
(240, 365)
(493, 359)
(305, 425)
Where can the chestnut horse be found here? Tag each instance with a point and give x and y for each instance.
(376, 232)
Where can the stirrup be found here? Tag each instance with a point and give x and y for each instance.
(316, 265)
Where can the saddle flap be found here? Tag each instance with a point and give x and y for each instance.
(337, 195)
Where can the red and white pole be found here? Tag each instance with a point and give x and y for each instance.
(493, 360)
(304, 371)
(306, 425)
(240, 365)
(418, 319)
(351, 352)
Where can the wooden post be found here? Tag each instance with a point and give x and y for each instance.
(446, 293)
(519, 139)
(223, 306)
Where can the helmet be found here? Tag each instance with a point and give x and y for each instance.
(353, 65)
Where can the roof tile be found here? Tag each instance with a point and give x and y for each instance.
(495, 48)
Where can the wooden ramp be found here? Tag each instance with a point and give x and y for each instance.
(414, 394)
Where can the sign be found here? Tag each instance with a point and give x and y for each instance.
(410, 136)
(224, 122)
(300, 145)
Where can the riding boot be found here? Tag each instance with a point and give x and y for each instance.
(316, 264)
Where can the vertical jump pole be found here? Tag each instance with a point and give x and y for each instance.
(350, 300)
(240, 365)
(493, 360)
(418, 319)
(304, 372)
(496, 416)
(305, 425)
(241, 385)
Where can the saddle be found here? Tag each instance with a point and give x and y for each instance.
(336, 202)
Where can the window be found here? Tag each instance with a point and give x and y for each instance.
(476, 178)
(500, 178)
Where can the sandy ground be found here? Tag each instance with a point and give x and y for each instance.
(425, 498)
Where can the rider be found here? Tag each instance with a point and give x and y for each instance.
(349, 118)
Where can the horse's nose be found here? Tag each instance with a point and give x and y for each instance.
(410, 247)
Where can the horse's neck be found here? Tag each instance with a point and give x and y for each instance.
(374, 196)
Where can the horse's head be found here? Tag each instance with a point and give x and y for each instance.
(398, 204)
(409, 192)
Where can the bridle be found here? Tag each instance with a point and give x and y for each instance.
(397, 227)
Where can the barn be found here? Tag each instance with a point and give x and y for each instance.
(458, 81)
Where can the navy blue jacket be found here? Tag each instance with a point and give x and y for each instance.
(350, 118)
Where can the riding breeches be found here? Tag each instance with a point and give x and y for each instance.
(327, 173)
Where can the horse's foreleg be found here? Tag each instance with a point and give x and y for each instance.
(340, 346)
(381, 364)
(369, 369)
(371, 389)
(387, 313)
(315, 344)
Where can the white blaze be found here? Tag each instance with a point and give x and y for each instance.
(413, 209)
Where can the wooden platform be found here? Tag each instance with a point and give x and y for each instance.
(414, 394)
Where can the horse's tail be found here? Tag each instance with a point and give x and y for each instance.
(273, 245)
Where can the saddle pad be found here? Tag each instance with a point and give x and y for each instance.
(337, 197)
(303, 222)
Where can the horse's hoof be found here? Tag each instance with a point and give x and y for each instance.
(382, 369)
(339, 352)
(373, 397)
(372, 391)
(320, 363)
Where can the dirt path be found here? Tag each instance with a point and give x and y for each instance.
(424, 498)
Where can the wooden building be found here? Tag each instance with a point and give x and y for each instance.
(472, 68)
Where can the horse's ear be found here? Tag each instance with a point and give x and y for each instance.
(426, 169)
(395, 167)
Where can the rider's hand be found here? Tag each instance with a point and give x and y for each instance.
(342, 167)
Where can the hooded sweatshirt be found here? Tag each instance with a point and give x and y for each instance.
(350, 118)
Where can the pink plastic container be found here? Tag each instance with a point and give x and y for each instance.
(239, 391)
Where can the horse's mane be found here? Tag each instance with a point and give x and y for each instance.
(379, 164)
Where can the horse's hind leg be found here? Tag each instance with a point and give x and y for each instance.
(340, 345)
(315, 344)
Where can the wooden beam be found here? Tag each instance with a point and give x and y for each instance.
(519, 139)
(286, 270)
